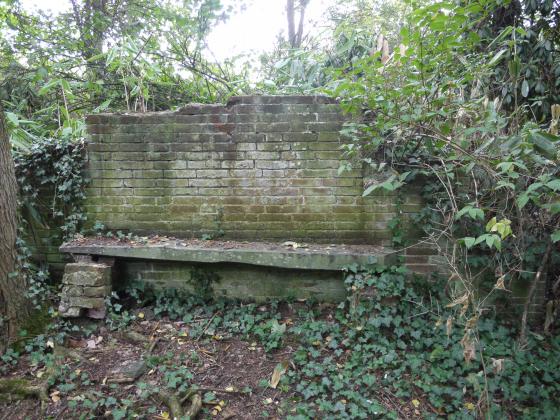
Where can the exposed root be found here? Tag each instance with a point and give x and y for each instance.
(172, 402)
(134, 337)
(22, 388)
(196, 405)
(61, 353)
(15, 388)
(175, 404)
(153, 345)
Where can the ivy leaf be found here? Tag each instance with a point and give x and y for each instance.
(481, 239)
(469, 241)
(554, 208)
(491, 223)
(544, 143)
(522, 200)
(473, 212)
(555, 236)
(554, 184)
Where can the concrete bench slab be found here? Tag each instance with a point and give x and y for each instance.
(240, 270)
(293, 256)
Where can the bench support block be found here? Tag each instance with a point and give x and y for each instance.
(85, 287)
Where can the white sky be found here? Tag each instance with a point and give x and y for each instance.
(252, 30)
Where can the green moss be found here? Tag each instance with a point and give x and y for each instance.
(34, 325)
(16, 388)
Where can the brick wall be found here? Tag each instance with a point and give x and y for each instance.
(260, 167)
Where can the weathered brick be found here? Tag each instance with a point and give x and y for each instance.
(269, 163)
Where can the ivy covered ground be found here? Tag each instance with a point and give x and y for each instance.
(390, 351)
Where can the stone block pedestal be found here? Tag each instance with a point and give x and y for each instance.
(85, 287)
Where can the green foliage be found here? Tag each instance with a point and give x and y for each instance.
(393, 347)
(349, 34)
(202, 282)
(489, 172)
(394, 342)
(391, 340)
(51, 180)
(136, 55)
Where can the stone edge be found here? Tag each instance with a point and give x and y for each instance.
(293, 260)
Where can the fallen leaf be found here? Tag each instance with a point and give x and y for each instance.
(91, 344)
(279, 370)
(500, 284)
(469, 350)
(141, 315)
(268, 401)
(415, 403)
(55, 396)
(498, 365)
(470, 406)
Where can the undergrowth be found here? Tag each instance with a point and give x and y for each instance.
(391, 343)
(391, 350)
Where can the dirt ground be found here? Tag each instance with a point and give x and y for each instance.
(233, 370)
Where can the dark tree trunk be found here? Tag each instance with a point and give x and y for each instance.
(299, 35)
(295, 38)
(290, 11)
(14, 307)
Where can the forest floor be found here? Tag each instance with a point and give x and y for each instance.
(174, 355)
(232, 374)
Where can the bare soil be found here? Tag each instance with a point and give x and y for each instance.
(225, 366)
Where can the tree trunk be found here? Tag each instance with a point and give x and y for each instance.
(93, 22)
(290, 9)
(14, 307)
(299, 35)
(295, 38)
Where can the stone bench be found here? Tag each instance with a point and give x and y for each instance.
(242, 270)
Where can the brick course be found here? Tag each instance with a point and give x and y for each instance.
(258, 168)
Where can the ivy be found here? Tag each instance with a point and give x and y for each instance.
(51, 183)
(51, 180)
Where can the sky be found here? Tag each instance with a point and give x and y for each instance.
(252, 30)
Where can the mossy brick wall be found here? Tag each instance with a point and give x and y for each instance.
(257, 168)
(231, 280)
